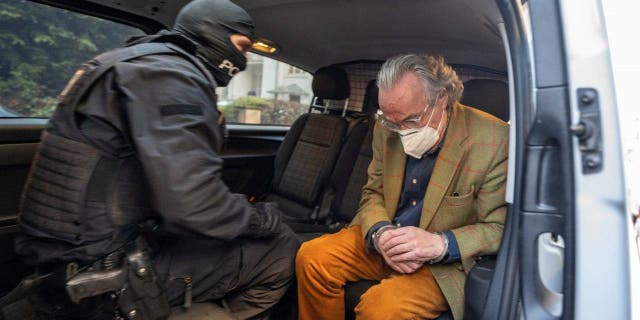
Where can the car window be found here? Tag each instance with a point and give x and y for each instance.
(267, 92)
(41, 47)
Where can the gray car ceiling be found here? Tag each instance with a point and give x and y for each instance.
(315, 33)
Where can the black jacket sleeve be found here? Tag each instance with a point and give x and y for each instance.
(172, 123)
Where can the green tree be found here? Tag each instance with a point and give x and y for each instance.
(42, 47)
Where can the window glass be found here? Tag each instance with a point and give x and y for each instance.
(40, 49)
(267, 92)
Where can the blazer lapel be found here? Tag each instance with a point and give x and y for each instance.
(394, 161)
(447, 164)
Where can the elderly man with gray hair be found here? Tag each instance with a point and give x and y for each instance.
(434, 201)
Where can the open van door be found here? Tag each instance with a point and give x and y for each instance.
(565, 253)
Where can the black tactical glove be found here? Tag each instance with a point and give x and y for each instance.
(266, 220)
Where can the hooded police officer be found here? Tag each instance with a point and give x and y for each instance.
(137, 136)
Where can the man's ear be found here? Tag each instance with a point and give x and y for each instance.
(443, 98)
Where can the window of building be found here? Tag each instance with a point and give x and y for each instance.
(42, 47)
(265, 94)
(294, 70)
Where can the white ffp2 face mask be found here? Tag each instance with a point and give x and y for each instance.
(416, 142)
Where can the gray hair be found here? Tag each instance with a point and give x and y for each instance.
(434, 73)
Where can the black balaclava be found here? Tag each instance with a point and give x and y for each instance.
(210, 23)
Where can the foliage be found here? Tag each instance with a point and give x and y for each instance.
(277, 112)
(250, 102)
(42, 47)
(231, 110)
(283, 112)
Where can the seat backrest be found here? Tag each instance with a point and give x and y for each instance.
(370, 101)
(309, 151)
(330, 83)
(491, 96)
(350, 173)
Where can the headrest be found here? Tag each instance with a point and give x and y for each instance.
(491, 96)
(370, 103)
(331, 83)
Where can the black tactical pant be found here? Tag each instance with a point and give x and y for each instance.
(247, 275)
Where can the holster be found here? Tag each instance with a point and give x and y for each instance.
(132, 285)
(143, 296)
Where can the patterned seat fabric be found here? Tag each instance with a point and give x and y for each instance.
(342, 196)
(307, 155)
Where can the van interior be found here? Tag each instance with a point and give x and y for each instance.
(315, 167)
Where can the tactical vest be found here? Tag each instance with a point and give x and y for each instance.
(77, 200)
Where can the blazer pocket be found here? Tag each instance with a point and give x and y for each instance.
(462, 200)
(457, 211)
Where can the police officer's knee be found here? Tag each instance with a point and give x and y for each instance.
(286, 245)
(289, 243)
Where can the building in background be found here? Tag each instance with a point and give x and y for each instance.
(268, 79)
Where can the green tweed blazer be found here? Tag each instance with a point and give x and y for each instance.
(472, 165)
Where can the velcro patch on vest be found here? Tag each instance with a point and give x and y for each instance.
(178, 109)
(54, 193)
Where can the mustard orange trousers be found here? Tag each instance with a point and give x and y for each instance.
(325, 264)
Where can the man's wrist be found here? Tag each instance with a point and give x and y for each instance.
(373, 229)
(445, 249)
(375, 237)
